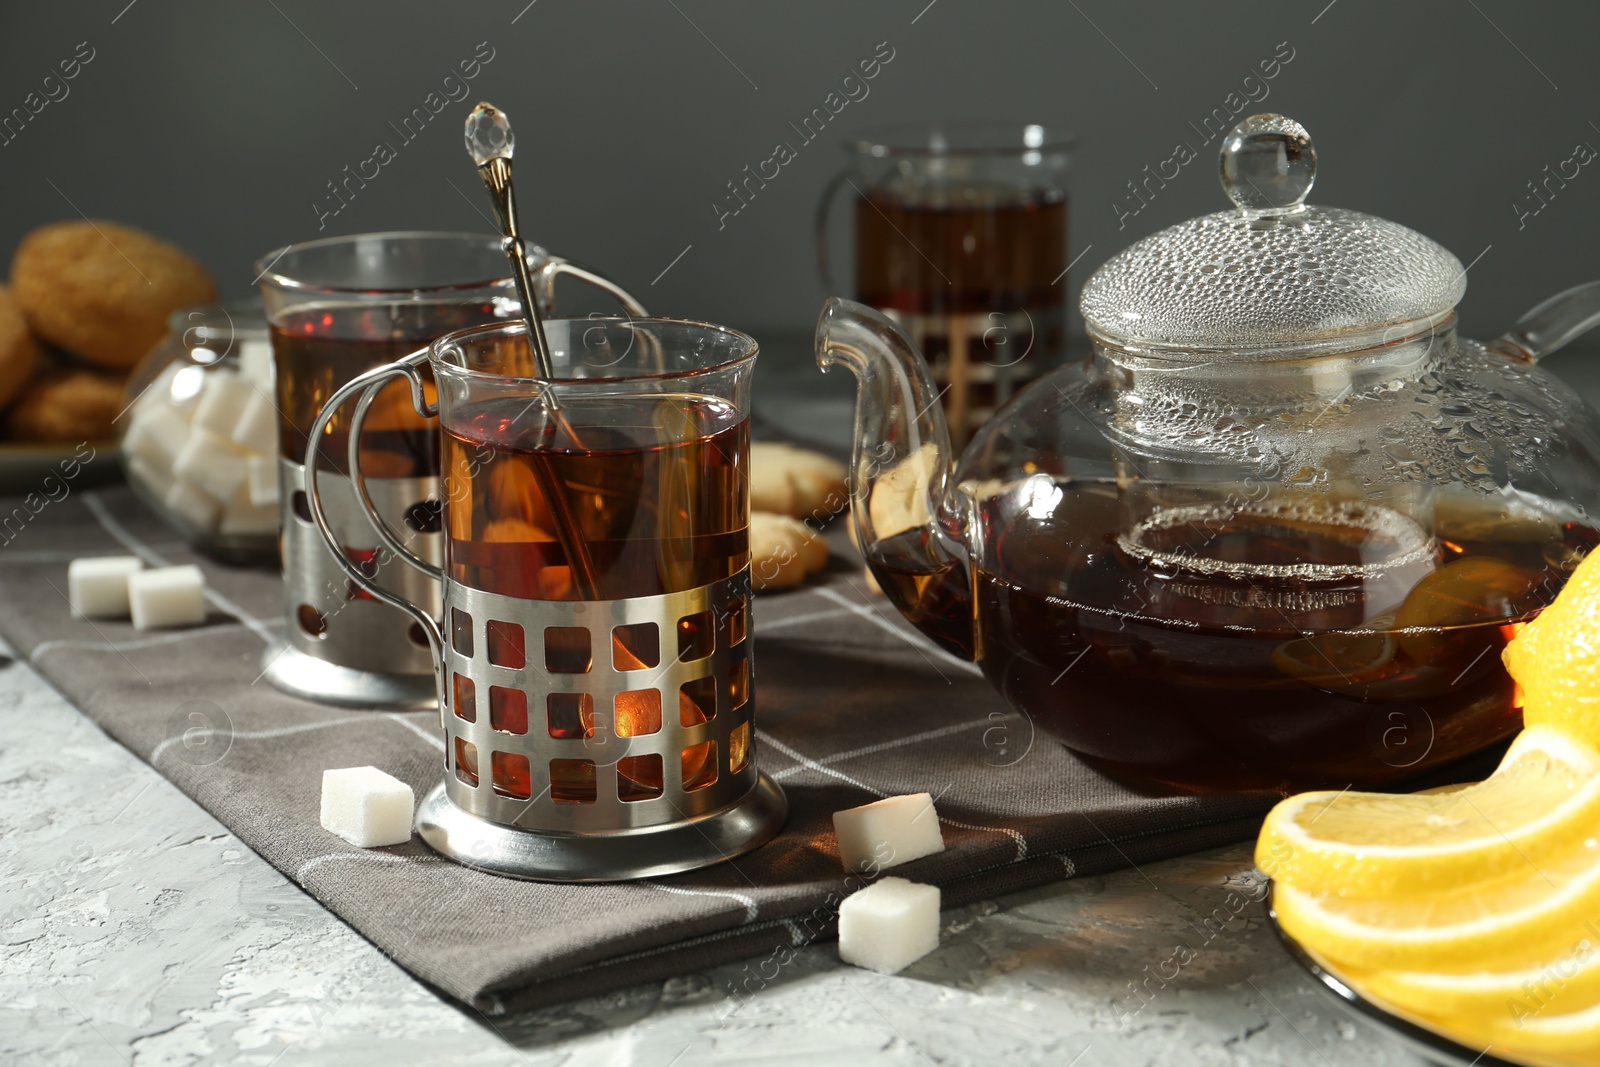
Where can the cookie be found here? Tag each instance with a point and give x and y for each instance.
(102, 291)
(19, 352)
(68, 405)
(796, 481)
(783, 550)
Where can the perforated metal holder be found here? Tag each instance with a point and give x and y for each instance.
(571, 726)
(341, 646)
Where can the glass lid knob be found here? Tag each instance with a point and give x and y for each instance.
(1268, 165)
(488, 134)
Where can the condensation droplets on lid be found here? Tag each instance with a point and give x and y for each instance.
(1274, 274)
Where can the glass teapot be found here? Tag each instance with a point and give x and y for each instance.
(1273, 533)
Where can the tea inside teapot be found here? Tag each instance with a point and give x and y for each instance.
(1196, 652)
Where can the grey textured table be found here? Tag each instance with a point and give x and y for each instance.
(135, 929)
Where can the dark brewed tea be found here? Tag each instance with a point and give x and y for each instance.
(655, 486)
(1183, 668)
(976, 284)
(317, 349)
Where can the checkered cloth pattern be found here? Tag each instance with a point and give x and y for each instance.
(852, 705)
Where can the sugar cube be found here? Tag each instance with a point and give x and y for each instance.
(183, 390)
(97, 587)
(211, 463)
(223, 397)
(156, 480)
(193, 505)
(241, 516)
(889, 925)
(257, 428)
(263, 481)
(255, 363)
(155, 436)
(887, 832)
(167, 596)
(367, 807)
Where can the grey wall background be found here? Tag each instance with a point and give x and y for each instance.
(218, 125)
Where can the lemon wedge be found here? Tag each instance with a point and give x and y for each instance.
(1556, 658)
(1544, 800)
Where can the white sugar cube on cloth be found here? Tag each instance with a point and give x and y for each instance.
(887, 832)
(257, 428)
(223, 397)
(889, 925)
(367, 807)
(97, 587)
(167, 596)
(263, 480)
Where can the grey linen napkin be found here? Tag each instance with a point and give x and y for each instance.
(852, 705)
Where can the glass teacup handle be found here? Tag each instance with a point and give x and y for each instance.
(556, 266)
(364, 389)
(1552, 324)
(547, 268)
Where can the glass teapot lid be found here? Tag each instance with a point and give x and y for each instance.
(1276, 275)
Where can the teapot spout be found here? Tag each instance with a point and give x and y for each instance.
(907, 522)
(1551, 325)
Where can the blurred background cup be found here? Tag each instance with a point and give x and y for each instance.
(335, 309)
(960, 236)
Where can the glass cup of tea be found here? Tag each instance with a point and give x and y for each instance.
(338, 307)
(961, 239)
(593, 657)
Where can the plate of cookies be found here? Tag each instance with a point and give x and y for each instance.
(85, 301)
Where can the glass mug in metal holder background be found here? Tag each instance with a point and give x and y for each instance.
(336, 308)
(594, 659)
(961, 239)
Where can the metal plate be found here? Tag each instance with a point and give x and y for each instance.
(294, 672)
(649, 852)
(1433, 1045)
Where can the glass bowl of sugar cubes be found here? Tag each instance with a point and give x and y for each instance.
(200, 433)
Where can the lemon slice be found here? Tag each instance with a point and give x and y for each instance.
(1518, 920)
(1547, 1032)
(1544, 800)
(1344, 661)
(1567, 982)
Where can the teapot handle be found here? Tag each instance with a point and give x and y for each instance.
(1551, 325)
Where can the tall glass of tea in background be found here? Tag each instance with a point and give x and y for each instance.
(336, 308)
(594, 655)
(961, 239)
